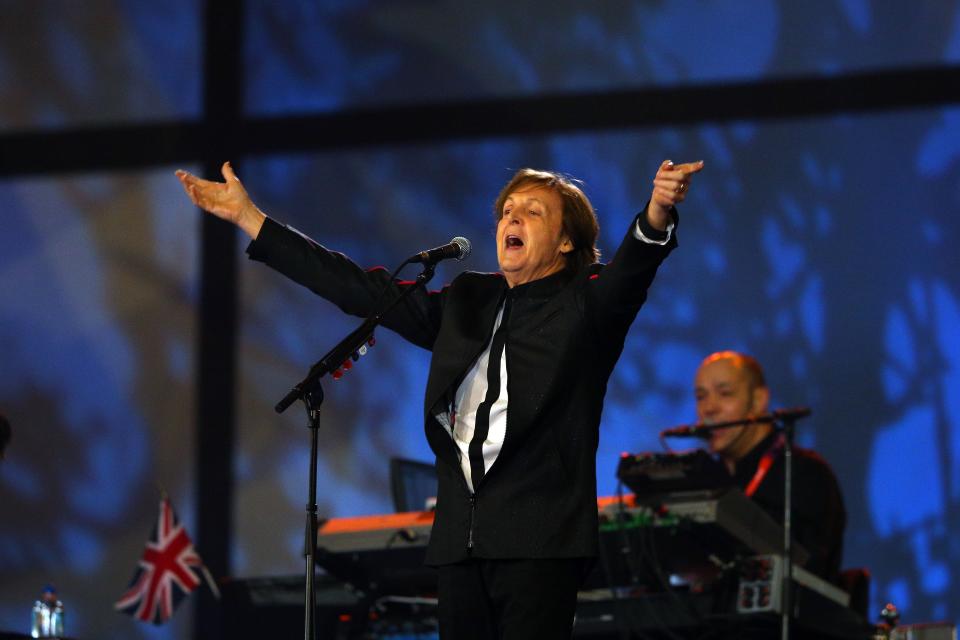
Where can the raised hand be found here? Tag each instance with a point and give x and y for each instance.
(227, 200)
(670, 186)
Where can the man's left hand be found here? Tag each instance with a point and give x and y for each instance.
(670, 186)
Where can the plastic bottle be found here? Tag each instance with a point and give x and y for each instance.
(46, 620)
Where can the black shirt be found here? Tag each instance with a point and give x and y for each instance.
(818, 518)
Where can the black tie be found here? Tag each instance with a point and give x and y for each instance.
(482, 426)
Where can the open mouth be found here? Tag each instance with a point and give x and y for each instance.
(513, 242)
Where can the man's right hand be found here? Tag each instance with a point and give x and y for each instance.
(227, 200)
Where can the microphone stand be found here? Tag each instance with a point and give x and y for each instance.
(784, 421)
(703, 429)
(786, 425)
(311, 393)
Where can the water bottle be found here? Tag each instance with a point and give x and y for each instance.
(47, 618)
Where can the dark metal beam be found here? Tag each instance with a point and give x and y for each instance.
(230, 135)
(214, 427)
(108, 148)
(636, 109)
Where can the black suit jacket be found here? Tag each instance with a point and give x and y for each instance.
(565, 333)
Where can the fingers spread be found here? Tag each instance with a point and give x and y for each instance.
(190, 180)
(186, 181)
(192, 194)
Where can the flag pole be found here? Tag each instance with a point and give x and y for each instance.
(210, 581)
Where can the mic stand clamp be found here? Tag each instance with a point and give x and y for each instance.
(310, 392)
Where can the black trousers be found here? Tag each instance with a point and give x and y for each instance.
(509, 599)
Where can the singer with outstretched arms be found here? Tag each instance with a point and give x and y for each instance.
(519, 369)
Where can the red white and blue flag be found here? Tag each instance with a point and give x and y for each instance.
(168, 571)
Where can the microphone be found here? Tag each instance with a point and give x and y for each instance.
(458, 248)
(700, 430)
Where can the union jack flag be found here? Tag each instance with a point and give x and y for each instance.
(167, 572)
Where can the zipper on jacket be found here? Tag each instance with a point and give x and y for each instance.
(473, 506)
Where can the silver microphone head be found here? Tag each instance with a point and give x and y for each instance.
(465, 246)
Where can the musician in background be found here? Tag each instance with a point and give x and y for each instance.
(731, 386)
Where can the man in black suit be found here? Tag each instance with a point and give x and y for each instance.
(519, 370)
(731, 386)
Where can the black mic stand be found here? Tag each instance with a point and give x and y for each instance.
(786, 425)
(310, 391)
(784, 421)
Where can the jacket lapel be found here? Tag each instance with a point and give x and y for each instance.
(465, 331)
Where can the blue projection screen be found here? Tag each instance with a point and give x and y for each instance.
(824, 246)
(97, 333)
(304, 56)
(98, 62)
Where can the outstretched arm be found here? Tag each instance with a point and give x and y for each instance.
(621, 287)
(329, 274)
(356, 291)
(227, 200)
